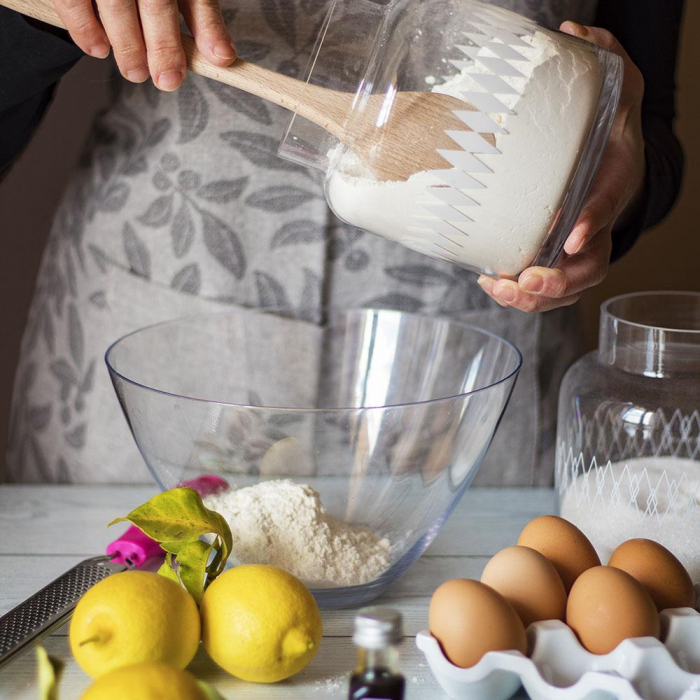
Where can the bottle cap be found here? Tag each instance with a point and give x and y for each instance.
(377, 627)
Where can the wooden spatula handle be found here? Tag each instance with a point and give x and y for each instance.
(324, 107)
(42, 10)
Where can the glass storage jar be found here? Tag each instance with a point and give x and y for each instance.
(628, 436)
(518, 145)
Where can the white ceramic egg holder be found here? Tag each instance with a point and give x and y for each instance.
(559, 668)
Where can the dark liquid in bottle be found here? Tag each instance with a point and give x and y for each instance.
(377, 683)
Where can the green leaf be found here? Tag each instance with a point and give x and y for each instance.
(192, 567)
(210, 691)
(178, 514)
(224, 532)
(218, 562)
(174, 547)
(168, 570)
(178, 519)
(49, 670)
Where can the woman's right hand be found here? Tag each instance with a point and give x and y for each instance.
(145, 35)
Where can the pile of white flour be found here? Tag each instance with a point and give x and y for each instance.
(285, 524)
(520, 187)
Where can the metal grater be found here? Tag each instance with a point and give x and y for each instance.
(39, 615)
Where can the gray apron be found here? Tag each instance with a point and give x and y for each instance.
(180, 206)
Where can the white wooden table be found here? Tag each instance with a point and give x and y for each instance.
(44, 530)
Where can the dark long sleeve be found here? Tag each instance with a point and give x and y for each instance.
(649, 31)
(32, 61)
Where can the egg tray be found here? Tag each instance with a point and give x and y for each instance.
(559, 668)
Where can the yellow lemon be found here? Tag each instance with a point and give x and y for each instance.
(146, 682)
(260, 623)
(131, 618)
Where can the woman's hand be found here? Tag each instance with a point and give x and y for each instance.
(614, 194)
(145, 35)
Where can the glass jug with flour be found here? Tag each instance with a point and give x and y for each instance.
(498, 171)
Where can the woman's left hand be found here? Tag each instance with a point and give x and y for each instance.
(614, 194)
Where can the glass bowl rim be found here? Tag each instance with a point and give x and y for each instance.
(338, 409)
(605, 309)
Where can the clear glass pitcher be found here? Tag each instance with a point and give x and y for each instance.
(533, 111)
(628, 441)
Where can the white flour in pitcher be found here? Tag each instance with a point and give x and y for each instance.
(523, 184)
(284, 524)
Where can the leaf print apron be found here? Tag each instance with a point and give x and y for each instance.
(180, 206)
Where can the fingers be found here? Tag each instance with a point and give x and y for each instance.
(633, 84)
(121, 22)
(208, 28)
(145, 35)
(574, 274)
(596, 35)
(503, 290)
(542, 289)
(85, 29)
(600, 211)
(160, 20)
(620, 176)
(619, 181)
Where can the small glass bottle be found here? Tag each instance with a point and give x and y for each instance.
(378, 632)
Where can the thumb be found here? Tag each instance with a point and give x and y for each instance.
(633, 84)
(596, 35)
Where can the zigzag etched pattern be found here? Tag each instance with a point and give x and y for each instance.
(439, 224)
(587, 474)
(648, 493)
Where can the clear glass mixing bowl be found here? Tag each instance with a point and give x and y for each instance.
(510, 157)
(628, 434)
(387, 415)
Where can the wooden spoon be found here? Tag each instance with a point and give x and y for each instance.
(407, 144)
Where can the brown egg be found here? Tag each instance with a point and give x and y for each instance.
(606, 606)
(563, 544)
(469, 619)
(529, 582)
(656, 568)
